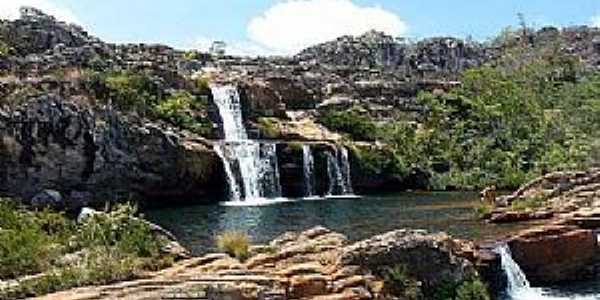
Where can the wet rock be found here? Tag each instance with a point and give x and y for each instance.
(554, 254)
(48, 199)
(519, 216)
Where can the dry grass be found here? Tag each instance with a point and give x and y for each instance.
(234, 243)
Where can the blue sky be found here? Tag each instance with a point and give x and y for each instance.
(284, 26)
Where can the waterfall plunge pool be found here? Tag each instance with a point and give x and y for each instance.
(356, 217)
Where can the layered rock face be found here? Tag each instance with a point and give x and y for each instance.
(565, 248)
(374, 49)
(314, 264)
(92, 156)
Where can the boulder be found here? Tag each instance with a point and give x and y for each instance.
(556, 254)
(430, 258)
(48, 199)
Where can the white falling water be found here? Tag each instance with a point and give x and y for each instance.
(251, 168)
(269, 169)
(345, 170)
(308, 167)
(518, 286)
(517, 281)
(228, 101)
(338, 170)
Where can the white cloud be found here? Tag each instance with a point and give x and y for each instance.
(290, 26)
(9, 9)
(596, 21)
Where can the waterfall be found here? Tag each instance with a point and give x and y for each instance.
(269, 169)
(228, 102)
(518, 286)
(338, 170)
(251, 167)
(345, 170)
(517, 281)
(308, 171)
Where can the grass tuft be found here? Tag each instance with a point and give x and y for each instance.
(234, 243)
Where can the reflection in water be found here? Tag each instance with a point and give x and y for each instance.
(356, 218)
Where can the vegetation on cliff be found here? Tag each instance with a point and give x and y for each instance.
(47, 252)
(532, 111)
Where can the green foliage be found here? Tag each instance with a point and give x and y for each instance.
(5, 49)
(483, 209)
(532, 111)
(472, 290)
(132, 91)
(527, 204)
(29, 241)
(184, 110)
(269, 127)
(234, 243)
(398, 282)
(118, 229)
(353, 121)
(109, 247)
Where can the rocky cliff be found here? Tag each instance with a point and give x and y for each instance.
(95, 120)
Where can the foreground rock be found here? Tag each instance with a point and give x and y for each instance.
(565, 246)
(557, 254)
(315, 264)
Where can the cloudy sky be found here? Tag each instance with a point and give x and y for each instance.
(286, 26)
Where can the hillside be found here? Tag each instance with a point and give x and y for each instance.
(97, 121)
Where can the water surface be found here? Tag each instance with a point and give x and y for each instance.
(359, 218)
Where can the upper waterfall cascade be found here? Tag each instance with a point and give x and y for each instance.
(251, 167)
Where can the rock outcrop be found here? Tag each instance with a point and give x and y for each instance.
(557, 254)
(315, 264)
(91, 156)
(565, 248)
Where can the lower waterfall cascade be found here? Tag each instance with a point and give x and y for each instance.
(338, 170)
(308, 169)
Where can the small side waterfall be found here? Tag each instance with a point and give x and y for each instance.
(338, 170)
(517, 281)
(345, 170)
(308, 167)
(269, 169)
(251, 167)
(518, 286)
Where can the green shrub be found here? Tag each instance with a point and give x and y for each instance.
(234, 243)
(120, 230)
(472, 290)
(186, 111)
(352, 121)
(26, 243)
(527, 204)
(269, 127)
(132, 91)
(398, 282)
(110, 247)
(483, 209)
